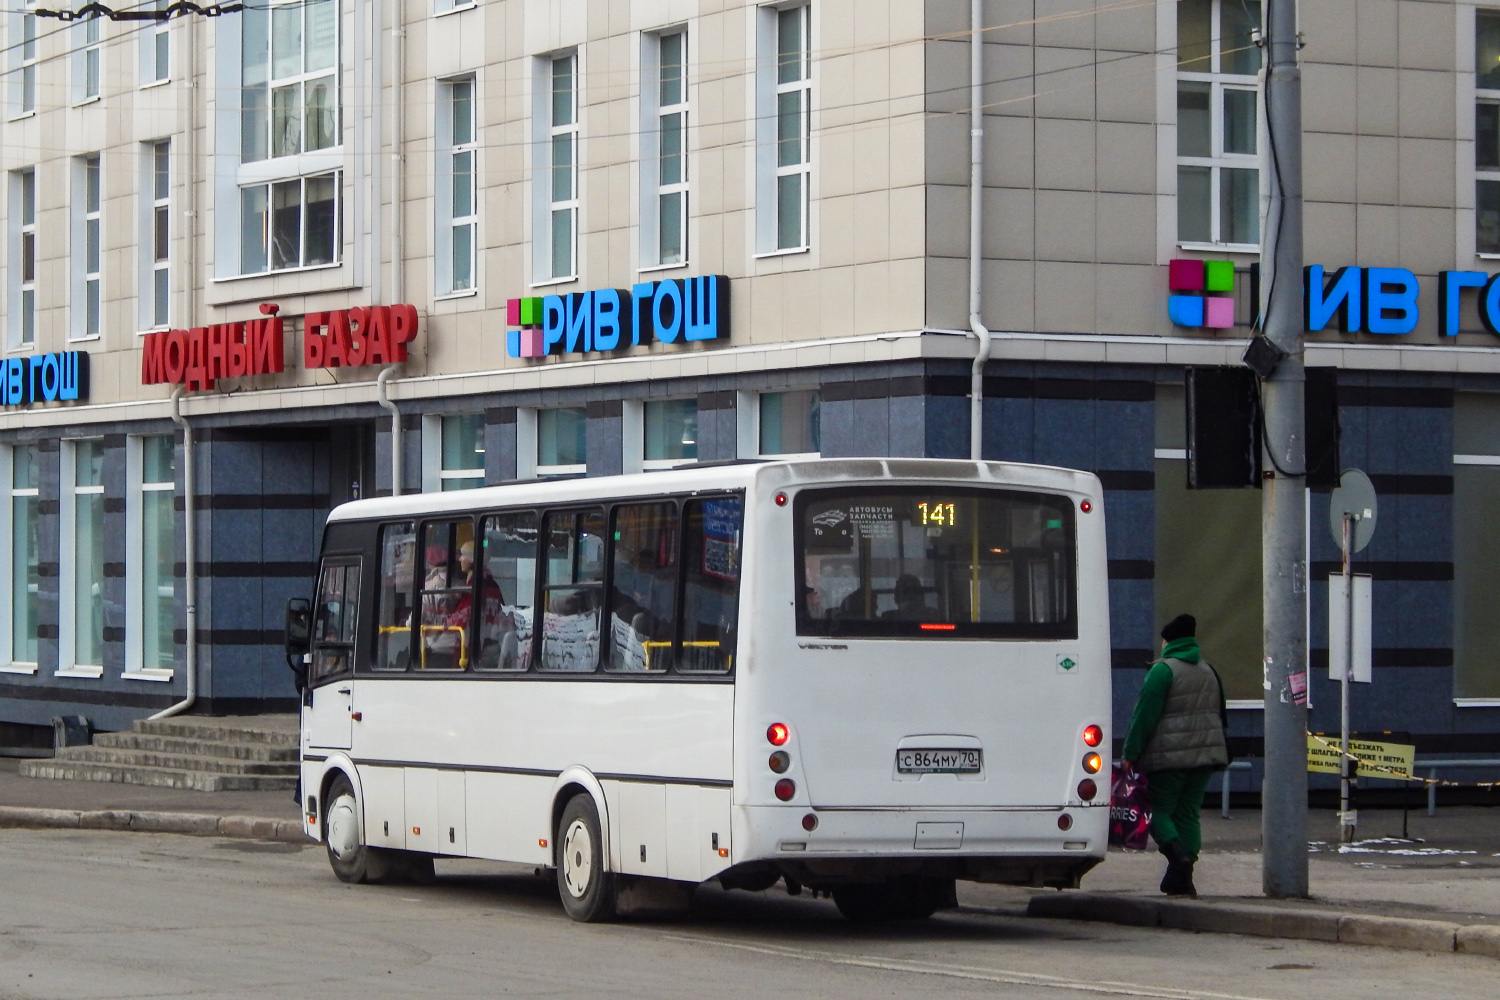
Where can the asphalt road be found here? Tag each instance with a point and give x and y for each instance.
(118, 915)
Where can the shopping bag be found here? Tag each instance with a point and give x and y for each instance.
(1129, 809)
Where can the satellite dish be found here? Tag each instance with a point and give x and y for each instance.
(1355, 497)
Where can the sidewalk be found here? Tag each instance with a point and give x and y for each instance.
(1437, 891)
(105, 805)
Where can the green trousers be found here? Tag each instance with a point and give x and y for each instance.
(1176, 800)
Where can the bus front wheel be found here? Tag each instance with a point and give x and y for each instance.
(586, 887)
(351, 859)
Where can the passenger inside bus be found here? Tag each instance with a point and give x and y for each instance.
(911, 601)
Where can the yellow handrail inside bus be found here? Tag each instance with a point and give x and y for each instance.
(704, 644)
(463, 639)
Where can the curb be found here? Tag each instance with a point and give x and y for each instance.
(193, 824)
(1265, 921)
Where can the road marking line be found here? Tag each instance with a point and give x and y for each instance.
(1008, 977)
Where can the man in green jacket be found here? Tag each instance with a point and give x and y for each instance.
(1177, 740)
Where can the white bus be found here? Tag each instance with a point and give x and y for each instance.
(867, 677)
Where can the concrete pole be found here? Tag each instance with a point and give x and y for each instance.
(1283, 510)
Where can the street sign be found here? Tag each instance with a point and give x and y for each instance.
(1339, 606)
(1354, 496)
(1376, 760)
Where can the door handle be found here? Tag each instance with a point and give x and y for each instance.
(343, 690)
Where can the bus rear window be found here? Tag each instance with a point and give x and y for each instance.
(939, 563)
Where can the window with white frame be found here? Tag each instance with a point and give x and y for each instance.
(456, 200)
(156, 51)
(86, 59)
(290, 136)
(81, 563)
(87, 255)
(156, 236)
(789, 423)
(23, 256)
(784, 117)
(671, 432)
(1487, 131)
(448, 6)
(1218, 179)
(24, 60)
(151, 538)
(664, 160)
(25, 553)
(562, 441)
(556, 170)
(462, 452)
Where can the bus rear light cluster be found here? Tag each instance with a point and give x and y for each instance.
(810, 822)
(1086, 506)
(1093, 736)
(780, 761)
(1092, 763)
(1087, 789)
(781, 499)
(1065, 822)
(778, 733)
(785, 789)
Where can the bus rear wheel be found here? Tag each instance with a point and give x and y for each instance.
(897, 899)
(350, 858)
(586, 887)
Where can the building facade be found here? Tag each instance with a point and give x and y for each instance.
(563, 237)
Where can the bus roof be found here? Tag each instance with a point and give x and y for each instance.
(727, 476)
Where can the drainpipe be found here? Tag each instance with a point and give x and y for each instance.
(976, 228)
(190, 546)
(398, 137)
(382, 391)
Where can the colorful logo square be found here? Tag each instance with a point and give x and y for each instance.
(1202, 293)
(526, 342)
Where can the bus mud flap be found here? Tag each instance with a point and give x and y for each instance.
(638, 895)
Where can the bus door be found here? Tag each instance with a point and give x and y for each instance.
(335, 622)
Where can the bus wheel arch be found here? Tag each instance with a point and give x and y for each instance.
(573, 782)
(353, 861)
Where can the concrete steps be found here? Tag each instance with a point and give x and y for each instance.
(257, 753)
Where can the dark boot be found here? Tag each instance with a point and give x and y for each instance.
(1178, 880)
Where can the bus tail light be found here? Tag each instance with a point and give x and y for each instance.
(778, 734)
(1093, 736)
(1065, 822)
(781, 499)
(780, 761)
(785, 789)
(810, 822)
(1086, 506)
(1087, 789)
(1092, 763)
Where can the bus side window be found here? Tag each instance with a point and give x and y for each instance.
(713, 532)
(398, 570)
(643, 587)
(447, 595)
(574, 590)
(507, 588)
(335, 619)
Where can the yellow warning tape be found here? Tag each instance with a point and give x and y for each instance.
(1391, 777)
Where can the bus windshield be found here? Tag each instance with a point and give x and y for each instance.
(941, 562)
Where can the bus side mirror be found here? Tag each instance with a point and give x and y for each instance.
(298, 627)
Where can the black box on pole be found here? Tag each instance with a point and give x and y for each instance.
(1223, 428)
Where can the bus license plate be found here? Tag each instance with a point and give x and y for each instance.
(937, 761)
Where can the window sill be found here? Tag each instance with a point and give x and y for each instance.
(153, 329)
(1476, 460)
(87, 101)
(788, 252)
(152, 84)
(17, 668)
(1488, 256)
(456, 10)
(1244, 248)
(467, 293)
(81, 671)
(273, 274)
(84, 339)
(662, 267)
(154, 674)
(1245, 704)
(543, 471)
(1476, 702)
(23, 116)
(1172, 454)
(664, 464)
(548, 283)
(791, 456)
(18, 348)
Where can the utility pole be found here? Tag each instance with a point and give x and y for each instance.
(1283, 510)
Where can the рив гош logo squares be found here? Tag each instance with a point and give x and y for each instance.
(1202, 293)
